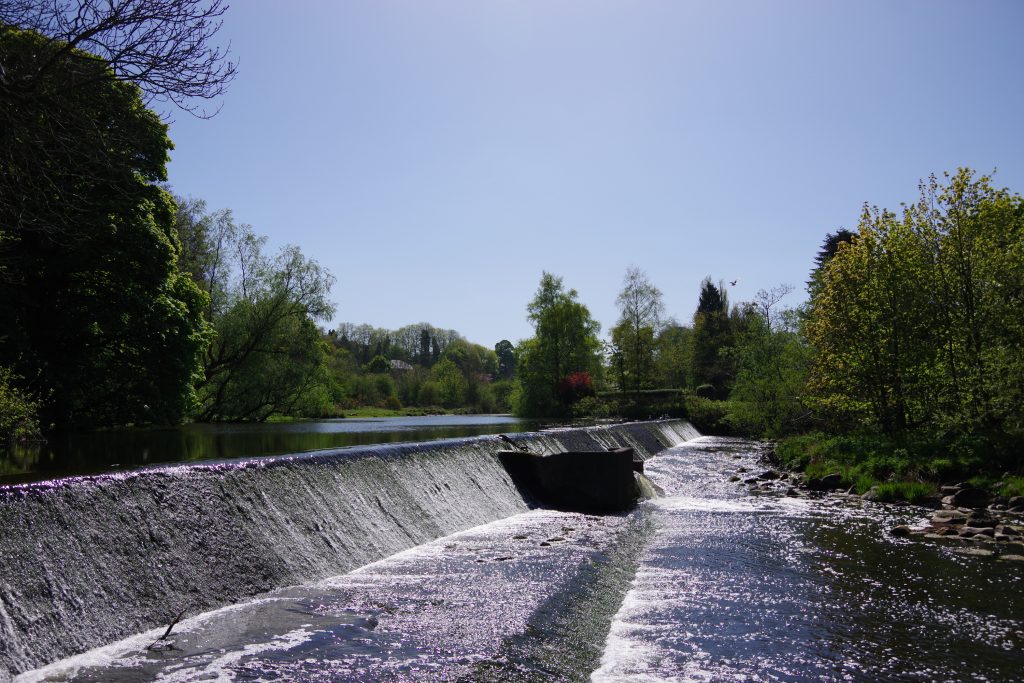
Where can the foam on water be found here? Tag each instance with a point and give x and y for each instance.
(757, 586)
(121, 554)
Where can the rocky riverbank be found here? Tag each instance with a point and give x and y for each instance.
(982, 523)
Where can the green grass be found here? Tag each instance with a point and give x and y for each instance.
(908, 468)
(1012, 486)
(911, 491)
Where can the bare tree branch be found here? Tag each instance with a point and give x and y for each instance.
(163, 46)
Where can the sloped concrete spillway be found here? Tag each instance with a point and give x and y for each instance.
(87, 561)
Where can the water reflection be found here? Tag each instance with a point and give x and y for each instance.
(96, 452)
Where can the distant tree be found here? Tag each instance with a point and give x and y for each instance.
(829, 248)
(266, 351)
(565, 342)
(378, 364)
(506, 353)
(772, 371)
(766, 302)
(640, 311)
(450, 382)
(712, 337)
(673, 359)
(424, 356)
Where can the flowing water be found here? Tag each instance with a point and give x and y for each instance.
(710, 582)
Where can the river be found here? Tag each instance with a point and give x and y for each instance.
(709, 582)
(124, 449)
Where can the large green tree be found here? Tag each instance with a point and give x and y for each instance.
(95, 314)
(917, 321)
(565, 342)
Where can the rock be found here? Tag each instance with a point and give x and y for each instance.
(793, 492)
(828, 483)
(971, 498)
(946, 531)
(871, 494)
(555, 539)
(1007, 530)
(977, 531)
(519, 537)
(948, 517)
(901, 531)
(1012, 558)
(948, 490)
(768, 475)
(734, 478)
(741, 470)
(935, 537)
(981, 520)
(544, 544)
(1015, 501)
(751, 480)
(981, 552)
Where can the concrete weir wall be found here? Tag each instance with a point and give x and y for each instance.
(89, 560)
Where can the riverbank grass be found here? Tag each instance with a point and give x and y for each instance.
(909, 468)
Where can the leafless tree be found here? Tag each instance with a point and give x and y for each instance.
(164, 46)
(766, 301)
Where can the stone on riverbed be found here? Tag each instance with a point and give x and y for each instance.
(948, 517)
(970, 498)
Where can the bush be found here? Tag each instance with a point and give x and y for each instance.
(708, 416)
(19, 419)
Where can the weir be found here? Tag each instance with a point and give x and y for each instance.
(88, 560)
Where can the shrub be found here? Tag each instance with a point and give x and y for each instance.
(707, 415)
(19, 419)
(575, 387)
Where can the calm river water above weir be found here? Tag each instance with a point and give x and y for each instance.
(708, 583)
(125, 449)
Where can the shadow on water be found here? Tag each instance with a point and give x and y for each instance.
(124, 449)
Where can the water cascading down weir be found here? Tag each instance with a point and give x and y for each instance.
(88, 561)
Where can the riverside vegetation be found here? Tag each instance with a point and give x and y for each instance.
(123, 304)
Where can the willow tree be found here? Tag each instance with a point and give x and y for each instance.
(266, 353)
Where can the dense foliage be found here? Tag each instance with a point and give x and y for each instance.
(95, 314)
(565, 342)
(918, 322)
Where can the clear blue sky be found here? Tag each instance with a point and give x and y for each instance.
(436, 157)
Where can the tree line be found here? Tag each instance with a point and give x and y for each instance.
(909, 341)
